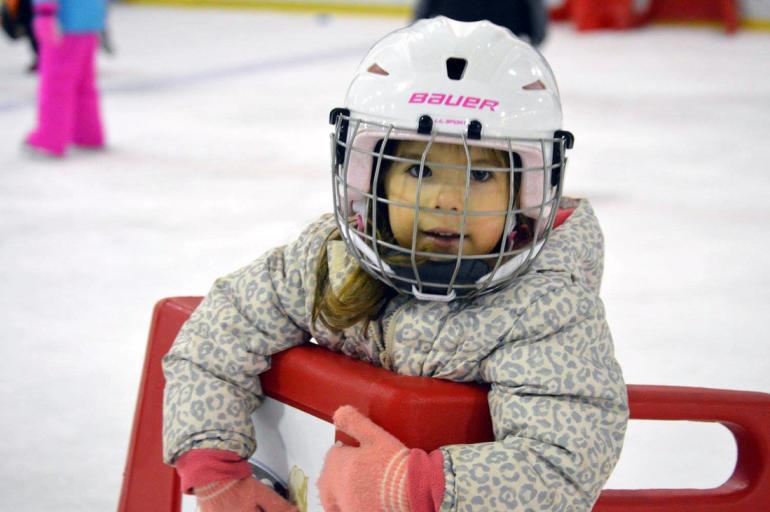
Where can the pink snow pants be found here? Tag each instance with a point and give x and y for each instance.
(68, 101)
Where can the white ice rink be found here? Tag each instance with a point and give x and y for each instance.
(218, 150)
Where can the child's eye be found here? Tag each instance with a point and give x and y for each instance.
(481, 176)
(414, 171)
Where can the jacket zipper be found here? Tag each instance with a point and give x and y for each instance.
(386, 349)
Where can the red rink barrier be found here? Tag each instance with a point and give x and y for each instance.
(724, 11)
(427, 413)
(560, 11)
(621, 14)
(599, 14)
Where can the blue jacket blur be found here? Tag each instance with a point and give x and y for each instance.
(79, 15)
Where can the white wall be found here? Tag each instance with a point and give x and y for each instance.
(756, 9)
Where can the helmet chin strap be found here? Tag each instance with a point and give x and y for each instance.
(470, 272)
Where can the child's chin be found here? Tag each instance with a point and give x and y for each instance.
(449, 249)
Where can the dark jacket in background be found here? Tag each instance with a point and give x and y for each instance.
(19, 23)
(525, 18)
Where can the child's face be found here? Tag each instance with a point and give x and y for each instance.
(444, 189)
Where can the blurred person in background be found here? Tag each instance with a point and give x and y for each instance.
(17, 23)
(525, 18)
(68, 110)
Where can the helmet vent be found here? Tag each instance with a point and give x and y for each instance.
(455, 68)
(377, 70)
(537, 85)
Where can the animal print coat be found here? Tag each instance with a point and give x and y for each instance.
(557, 397)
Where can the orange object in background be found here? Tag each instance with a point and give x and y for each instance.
(621, 14)
(598, 14)
(13, 7)
(427, 413)
(561, 12)
(724, 11)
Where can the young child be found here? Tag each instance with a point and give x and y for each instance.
(68, 100)
(441, 259)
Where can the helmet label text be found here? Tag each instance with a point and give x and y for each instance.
(450, 100)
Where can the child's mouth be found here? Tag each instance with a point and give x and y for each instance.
(442, 238)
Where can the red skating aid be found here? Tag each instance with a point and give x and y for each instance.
(427, 413)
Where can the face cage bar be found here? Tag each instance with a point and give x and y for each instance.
(346, 222)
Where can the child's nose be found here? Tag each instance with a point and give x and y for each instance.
(448, 197)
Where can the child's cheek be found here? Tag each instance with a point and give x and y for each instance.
(486, 232)
(401, 222)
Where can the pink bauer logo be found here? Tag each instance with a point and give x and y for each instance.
(450, 100)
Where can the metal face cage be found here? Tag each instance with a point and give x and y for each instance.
(361, 160)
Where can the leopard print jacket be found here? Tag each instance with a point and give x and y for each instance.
(557, 397)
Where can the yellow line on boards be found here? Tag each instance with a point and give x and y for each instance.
(402, 11)
(756, 24)
(749, 24)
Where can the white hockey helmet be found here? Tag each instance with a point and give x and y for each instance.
(465, 83)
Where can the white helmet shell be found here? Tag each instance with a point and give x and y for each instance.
(506, 84)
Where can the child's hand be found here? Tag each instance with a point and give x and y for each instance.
(245, 495)
(369, 477)
(45, 25)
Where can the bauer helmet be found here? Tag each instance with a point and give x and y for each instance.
(439, 82)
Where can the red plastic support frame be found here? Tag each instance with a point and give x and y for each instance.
(746, 414)
(148, 484)
(458, 412)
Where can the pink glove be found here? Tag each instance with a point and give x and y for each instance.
(244, 495)
(45, 25)
(366, 478)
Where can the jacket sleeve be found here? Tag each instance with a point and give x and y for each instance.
(559, 411)
(212, 369)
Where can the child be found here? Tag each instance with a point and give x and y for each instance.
(68, 101)
(440, 260)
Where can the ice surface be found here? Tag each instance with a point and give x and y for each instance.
(219, 150)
